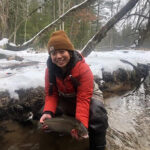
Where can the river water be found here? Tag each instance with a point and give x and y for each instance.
(129, 120)
(129, 127)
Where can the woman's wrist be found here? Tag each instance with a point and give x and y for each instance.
(48, 112)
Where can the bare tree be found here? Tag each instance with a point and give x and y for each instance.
(103, 31)
(140, 17)
(3, 17)
(143, 24)
(26, 20)
(15, 21)
(144, 32)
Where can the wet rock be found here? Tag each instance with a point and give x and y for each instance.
(30, 103)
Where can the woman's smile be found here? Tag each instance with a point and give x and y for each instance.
(61, 62)
(60, 57)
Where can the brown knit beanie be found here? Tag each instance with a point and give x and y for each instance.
(59, 41)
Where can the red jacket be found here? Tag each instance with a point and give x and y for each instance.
(82, 72)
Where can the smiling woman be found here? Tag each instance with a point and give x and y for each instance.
(70, 90)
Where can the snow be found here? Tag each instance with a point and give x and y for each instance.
(33, 76)
(110, 60)
(24, 77)
(3, 41)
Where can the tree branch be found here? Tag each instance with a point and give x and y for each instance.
(136, 14)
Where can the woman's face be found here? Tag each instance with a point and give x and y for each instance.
(60, 57)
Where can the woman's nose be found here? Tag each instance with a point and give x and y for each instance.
(58, 55)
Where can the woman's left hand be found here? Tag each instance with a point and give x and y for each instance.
(74, 134)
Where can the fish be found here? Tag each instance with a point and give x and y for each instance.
(65, 124)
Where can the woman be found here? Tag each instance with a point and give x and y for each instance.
(70, 90)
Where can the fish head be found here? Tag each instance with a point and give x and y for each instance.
(81, 130)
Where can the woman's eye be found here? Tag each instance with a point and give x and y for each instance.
(53, 53)
(62, 51)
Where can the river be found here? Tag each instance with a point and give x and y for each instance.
(129, 127)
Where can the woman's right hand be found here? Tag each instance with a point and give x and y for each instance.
(45, 116)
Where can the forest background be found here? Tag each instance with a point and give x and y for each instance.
(20, 20)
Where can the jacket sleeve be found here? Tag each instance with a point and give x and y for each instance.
(50, 100)
(84, 94)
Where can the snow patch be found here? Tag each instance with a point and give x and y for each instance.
(3, 41)
(33, 76)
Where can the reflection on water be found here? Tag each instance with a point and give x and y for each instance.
(129, 128)
(129, 120)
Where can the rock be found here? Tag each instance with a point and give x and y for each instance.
(30, 102)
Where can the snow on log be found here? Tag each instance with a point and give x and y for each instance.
(121, 80)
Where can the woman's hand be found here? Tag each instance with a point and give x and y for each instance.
(44, 116)
(74, 134)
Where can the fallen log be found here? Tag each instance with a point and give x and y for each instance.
(121, 80)
(11, 57)
(24, 64)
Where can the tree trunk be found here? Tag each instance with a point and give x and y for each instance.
(26, 20)
(63, 7)
(4, 18)
(16, 20)
(143, 33)
(98, 13)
